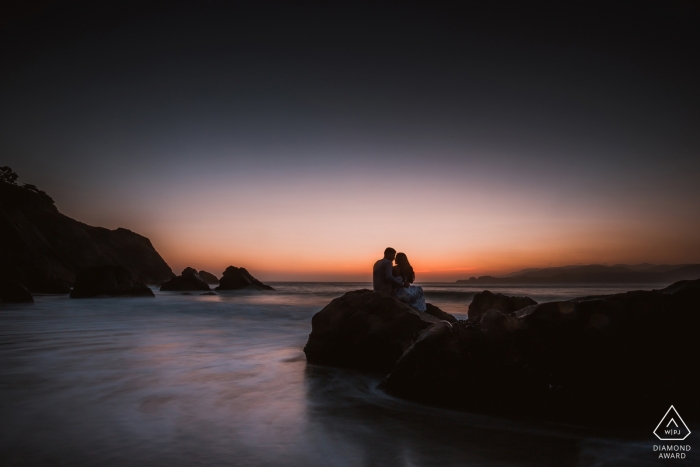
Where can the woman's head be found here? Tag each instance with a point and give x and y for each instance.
(405, 267)
(402, 260)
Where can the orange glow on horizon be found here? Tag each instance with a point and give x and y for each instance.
(334, 227)
(432, 263)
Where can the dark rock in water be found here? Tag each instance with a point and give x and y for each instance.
(111, 281)
(14, 292)
(208, 293)
(208, 277)
(43, 249)
(432, 310)
(238, 278)
(593, 359)
(430, 366)
(42, 282)
(188, 280)
(485, 301)
(365, 330)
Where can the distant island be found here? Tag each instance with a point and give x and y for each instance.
(595, 273)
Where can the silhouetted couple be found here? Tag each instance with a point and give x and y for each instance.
(396, 280)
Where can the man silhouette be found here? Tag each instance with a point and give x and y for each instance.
(382, 278)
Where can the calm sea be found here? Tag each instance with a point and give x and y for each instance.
(222, 380)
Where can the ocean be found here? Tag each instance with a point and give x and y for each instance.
(185, 380)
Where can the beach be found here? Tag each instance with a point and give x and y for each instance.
(222, 380)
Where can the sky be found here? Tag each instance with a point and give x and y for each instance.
(299, 139)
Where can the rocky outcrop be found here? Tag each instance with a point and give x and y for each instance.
(592, 358)
(685, 285)
(108, 281)
(208, 277)
(43, 249)
(365, 330)
(485, 301)
(188, 280)
(14, 292)
(436, 312)
(239, 278)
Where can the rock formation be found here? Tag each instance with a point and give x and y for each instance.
(436, 312)
(238, 278)
(364, 330)
(14, 292)
(592, 358)
(43, 249)
(208, 277)
(110, 281)
(188, 280)
(485, 301)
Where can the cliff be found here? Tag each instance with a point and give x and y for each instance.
(44, 249)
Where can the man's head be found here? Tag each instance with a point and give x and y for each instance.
(389, 254)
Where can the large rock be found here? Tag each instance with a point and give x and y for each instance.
(239, 278)
(597, 359)
(109, 281)
(188, 280)
(208, 277)
(486, 300)
(432, 310)
(43, 249)
(365, 330)
(14, 292)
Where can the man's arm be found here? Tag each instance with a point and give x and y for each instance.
(390, 276)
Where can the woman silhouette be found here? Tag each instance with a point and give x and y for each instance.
(412, 295)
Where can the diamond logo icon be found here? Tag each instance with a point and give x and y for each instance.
(672, 427)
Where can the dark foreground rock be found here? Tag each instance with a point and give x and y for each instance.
(239, 278)
(208, 277)
(188, 280)
(43, 249)
(364, 330)
(486, 300)
(14, 292)
(436, 312)
(606, 358)
(110, 281)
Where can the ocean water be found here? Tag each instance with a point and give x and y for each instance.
(222, 380)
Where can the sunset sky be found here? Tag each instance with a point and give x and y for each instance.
(299, 139)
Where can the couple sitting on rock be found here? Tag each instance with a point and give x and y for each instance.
(396, 280)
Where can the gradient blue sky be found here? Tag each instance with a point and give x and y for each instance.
(300, 139)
